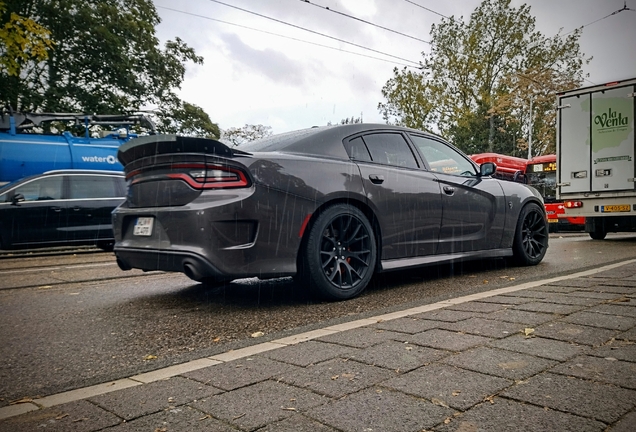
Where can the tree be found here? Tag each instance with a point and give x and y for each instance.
(249, 132)
(347, 120)
(21, 40)
(104, 58)
(187, 119)
(464, 86)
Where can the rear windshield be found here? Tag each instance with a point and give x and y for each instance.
(279, 141)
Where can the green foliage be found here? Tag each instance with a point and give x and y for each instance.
(472, 88)
(347, 120)
(247, 133)
(21, 40)
(187, 119)
(104, 57)
(408, 100)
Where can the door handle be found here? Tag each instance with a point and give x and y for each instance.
(56, 209)
(449, 190)
(376, 178)
(76, 208)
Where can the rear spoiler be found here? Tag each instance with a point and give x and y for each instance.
(153, 145)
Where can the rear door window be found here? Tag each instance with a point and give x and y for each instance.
(90, 187)
(390, 149)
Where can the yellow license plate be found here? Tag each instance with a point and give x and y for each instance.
(553, 221)
(615, 208)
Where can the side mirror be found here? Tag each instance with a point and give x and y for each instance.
(487, 169)
(15, 199)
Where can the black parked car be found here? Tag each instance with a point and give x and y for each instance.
(329, 205)
(60, 208)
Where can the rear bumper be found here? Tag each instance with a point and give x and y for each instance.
(193, 265)
(221, 235)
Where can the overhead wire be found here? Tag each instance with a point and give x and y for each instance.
(624, 8)
(365, 21)
(425, 8)
(285, 37)
(313, 31)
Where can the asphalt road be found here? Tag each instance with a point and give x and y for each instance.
(72, 320)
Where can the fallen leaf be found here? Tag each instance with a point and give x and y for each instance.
(447, 420)
(512, 278)
(456, 392)
(163, 429)
(513, 365)
(216, 339)
(45, 287)
(620, 300)
(290, 409)
(439, 402)
(335, 377)
(485, 281)
(528, 331)
(61, 416)
(238, 417)
(380, 320)
(205, 417)
(258, 334)
(150, 357)
(409, 348)
(19, 401)
(490, 399)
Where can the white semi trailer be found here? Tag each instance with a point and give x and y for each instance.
(595, 156)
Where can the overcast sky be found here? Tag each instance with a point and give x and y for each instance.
(252, 77)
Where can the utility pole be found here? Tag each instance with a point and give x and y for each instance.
(530, 131)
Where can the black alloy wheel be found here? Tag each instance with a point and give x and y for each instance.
(341, 253)
(531, 237)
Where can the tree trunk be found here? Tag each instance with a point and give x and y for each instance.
(491, 133)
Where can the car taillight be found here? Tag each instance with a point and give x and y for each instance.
(197, 175)
(573, 204)
(210, 176)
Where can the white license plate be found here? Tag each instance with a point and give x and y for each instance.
(143, 226)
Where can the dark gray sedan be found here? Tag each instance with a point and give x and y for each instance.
(329, 205)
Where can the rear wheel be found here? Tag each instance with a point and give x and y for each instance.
(598, 234)
(340, 254)
(531, 236)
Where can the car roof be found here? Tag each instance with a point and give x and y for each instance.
(322, 141)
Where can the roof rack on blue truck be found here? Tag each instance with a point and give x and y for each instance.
(26, 150)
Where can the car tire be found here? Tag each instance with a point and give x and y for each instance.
(531, 236)
(340, 254)
(598, 234)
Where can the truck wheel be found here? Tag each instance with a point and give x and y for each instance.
(340, 254)
(598, 234)
(531, 237)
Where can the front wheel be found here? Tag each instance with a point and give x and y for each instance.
(531, 236)
(340, 254)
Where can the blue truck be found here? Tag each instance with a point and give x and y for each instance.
(28, 147)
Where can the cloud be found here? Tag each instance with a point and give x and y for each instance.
(275, 65)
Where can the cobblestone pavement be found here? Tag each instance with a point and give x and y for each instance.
(557, 356)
